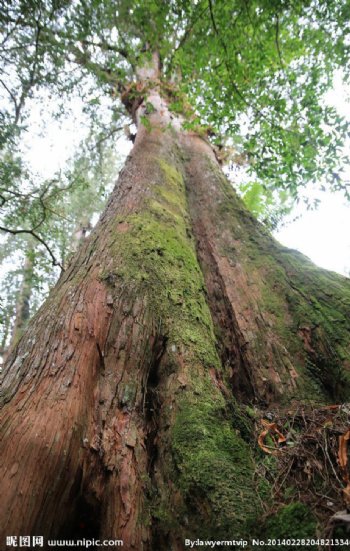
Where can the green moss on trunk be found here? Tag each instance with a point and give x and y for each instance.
(215, 465)
(208, 462)
(306, 310)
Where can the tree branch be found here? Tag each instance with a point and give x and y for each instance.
(55, 262)
(106, 47)
(256, 110)
(12, 96)
(31, 81)
(277, 41)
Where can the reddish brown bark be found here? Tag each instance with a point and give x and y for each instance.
(67, 428)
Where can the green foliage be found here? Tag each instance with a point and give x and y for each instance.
(268, 206)
(146, 123)
(256, 70)
(259, 70)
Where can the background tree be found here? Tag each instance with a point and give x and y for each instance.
(61, 211)
(130, 402)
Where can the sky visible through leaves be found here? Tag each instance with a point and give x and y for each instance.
(323, 234)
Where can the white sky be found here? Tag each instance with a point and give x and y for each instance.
(324, 234)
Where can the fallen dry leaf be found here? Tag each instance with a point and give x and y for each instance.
(343, 450)
(270, 428)
(343, 462)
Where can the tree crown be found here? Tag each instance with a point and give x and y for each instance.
(254, 72)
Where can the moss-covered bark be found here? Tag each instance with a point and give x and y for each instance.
(200, 467)
(133, 381)
(290, 319)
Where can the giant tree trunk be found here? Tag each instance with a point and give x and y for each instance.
(122, 411)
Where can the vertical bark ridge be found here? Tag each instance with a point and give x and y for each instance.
(280, 313)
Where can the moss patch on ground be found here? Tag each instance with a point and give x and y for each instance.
(294, 521)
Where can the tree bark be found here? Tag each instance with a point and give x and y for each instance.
(121, 406)
(282, 323)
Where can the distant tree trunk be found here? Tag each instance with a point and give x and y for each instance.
(82, 227)
(6, 331)
(22, 311)
(121, 414)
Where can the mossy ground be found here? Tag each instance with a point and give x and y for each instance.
(292, 522)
